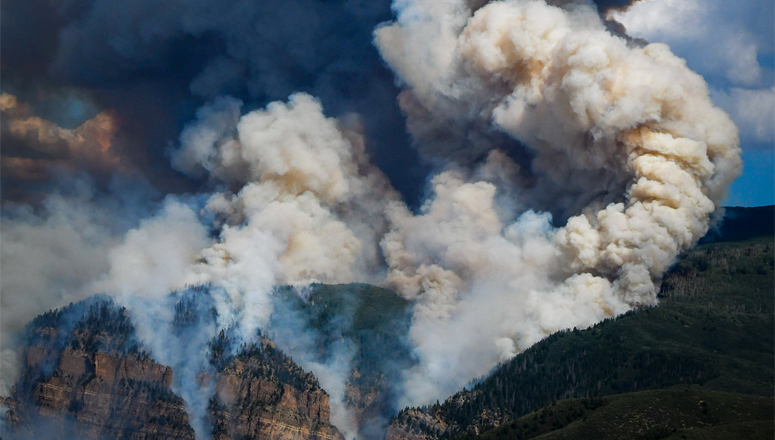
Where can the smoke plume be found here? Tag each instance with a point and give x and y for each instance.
(51, 255)
(309, 208)
(625, 129)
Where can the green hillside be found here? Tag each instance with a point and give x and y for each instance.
(713, 330)
(368, 323)
(647, 415)
(373, 319)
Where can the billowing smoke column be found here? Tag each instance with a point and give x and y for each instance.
(624, 141)
(309, 209)
(573, 166)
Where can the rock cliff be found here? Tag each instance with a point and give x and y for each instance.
(85, 376)
(262, 394)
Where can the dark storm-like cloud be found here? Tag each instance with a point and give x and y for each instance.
(154, 63)
(606, 5)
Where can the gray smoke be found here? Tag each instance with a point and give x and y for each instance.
(50, 256)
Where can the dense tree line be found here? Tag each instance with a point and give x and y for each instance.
(193, 305)
(107, 328)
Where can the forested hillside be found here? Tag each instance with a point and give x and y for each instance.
(713, 329)
(665, 414)
(368, 325)
(698, 365)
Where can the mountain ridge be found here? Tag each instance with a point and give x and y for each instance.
(714, 321)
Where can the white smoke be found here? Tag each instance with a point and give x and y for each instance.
(627, 130)
(486, 285)
(298, 340)
(51, 255)
(309, 208)
(154, 257)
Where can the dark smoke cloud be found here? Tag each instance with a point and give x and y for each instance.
(607, 5)
(153, 64)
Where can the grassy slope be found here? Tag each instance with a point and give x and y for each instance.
(713, 329)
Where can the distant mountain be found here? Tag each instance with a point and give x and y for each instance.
(741, 223)
(713, 329)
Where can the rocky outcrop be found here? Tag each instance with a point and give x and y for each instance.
(76, 392)
(263, 394)
(416, 424)
(95, 395)
(86, 377)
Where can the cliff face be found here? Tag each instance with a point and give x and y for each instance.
(415, 425)
(85, 378)
(263, 394)
(95, 395)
